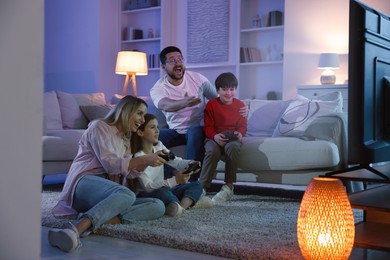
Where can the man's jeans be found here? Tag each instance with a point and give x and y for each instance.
(194, 141)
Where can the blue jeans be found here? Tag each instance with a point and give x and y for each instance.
(194, 141)
(101, 199)
(192, 190)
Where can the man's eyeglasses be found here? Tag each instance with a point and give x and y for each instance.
(174, 61)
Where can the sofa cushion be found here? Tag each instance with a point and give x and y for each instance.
(95, 112)
(152, 109)
(51, 111)
(71, 115)
(263, 116)
(61, 145)
(302, 111)
(286, 153)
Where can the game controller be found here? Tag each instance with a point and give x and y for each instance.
(167, 155)
(231, 136)
(192, 167)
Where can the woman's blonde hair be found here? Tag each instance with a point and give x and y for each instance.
(122, 112)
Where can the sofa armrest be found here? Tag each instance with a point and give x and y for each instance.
(331, 127)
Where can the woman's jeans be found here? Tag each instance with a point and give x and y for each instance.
(192, 190)
(101, 199)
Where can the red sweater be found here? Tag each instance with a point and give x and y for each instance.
(219, 117)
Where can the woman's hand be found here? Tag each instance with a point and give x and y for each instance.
(155, 159)
(140, 163)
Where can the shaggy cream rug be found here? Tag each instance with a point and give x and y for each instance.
(248, 227)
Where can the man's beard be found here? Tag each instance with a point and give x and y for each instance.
(172, 74)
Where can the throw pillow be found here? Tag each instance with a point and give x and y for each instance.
(51, 111)
(71, 115)
(302, 111)
(263, 117)
(95, 112)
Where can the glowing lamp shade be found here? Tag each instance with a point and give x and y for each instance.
(326, 227)
(131, 63)
(328, 62)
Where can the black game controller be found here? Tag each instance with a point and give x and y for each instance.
(192, 167)
(167, 155)
(231, 136)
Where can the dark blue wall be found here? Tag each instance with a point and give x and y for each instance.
(81, 45)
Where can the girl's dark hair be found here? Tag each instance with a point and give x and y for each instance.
(136, 141)
(122, 112)
(226, 80)
(167, 50)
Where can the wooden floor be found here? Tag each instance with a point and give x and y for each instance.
(100, 247)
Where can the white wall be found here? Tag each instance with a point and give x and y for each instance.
(313, 27)
(21, 84)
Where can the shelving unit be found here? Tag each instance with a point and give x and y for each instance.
(263, 72)
(256, 79)
(147, 20)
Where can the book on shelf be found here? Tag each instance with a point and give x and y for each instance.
(249, 55)
(138, 4)
(133, 34)
(153, 60)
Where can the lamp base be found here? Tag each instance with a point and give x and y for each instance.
(328, 79)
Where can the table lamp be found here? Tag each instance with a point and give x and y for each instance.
(131, 63)
(325, 228)
(328, 62)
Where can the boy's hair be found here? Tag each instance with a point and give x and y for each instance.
(226, 80)
(167, 50)
(136, 142)
(122, 112)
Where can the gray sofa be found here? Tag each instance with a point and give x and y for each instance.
(66, 116)
(288, 142)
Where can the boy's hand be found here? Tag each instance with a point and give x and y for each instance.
(220, 139)
(239, 136)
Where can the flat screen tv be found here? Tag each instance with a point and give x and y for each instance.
(369, 85)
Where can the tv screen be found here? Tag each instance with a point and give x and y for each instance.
(369, 85)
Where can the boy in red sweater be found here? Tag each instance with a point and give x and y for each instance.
(224, 128)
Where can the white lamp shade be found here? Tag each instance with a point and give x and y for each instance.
(328, 61)
(131, 62)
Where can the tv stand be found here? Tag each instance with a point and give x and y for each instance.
(373, 232)
(362, 172)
